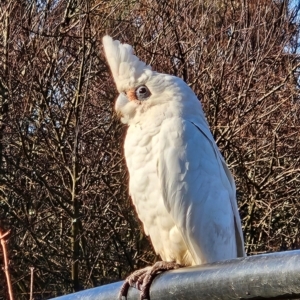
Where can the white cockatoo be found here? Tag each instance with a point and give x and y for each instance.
(180, 185)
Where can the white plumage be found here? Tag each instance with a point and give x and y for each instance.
(179, 183)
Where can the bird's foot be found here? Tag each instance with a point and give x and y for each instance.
(142, 279)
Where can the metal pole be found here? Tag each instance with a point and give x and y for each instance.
(266, 276)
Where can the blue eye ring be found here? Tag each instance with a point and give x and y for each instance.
(142, 93)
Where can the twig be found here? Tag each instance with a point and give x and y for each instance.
(6, 271)
(31, 283)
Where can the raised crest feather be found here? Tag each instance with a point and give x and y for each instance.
(127, 70)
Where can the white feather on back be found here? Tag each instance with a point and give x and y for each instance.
(127, 70)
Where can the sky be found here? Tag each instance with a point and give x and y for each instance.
(295, 4)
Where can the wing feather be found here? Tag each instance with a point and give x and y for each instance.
(199, 191)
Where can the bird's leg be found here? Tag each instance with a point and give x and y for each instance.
(132, 280)
(142, 279)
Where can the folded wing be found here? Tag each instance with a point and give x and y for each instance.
(199, 191)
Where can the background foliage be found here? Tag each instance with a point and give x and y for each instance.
(63, 182)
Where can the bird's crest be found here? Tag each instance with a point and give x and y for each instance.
(127, 70)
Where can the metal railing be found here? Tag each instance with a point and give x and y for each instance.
(266, 276)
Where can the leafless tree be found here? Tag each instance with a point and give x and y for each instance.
(63, 184)
(241, 59)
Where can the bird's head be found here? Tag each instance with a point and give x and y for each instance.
(144, 92)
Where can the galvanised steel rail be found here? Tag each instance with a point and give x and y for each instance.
(266, 276)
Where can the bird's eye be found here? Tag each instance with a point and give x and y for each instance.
(142, 93)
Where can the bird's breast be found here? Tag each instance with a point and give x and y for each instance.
(141, 153)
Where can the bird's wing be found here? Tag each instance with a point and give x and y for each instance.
(199, 191)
